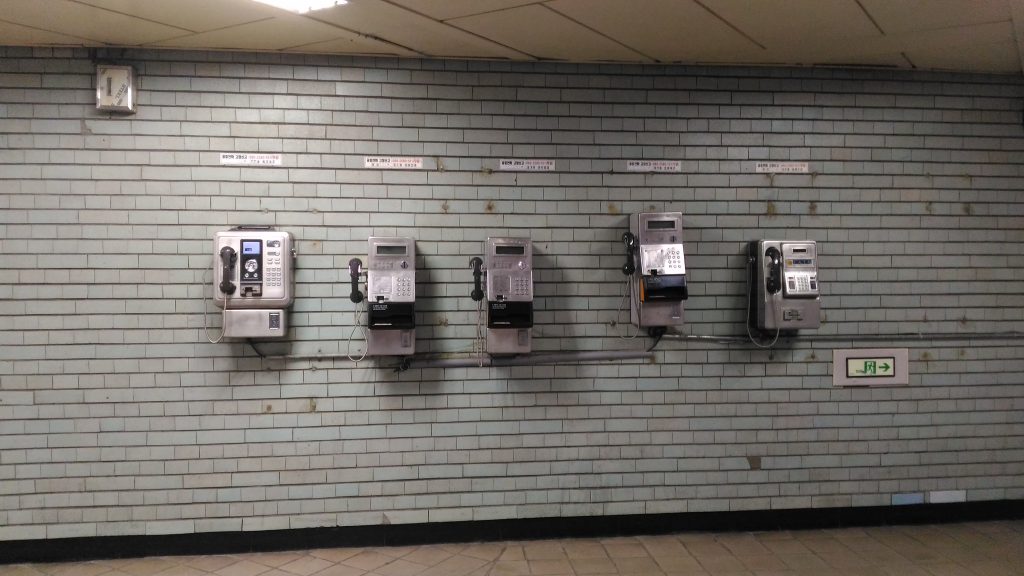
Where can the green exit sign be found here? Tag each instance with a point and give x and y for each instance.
(875, 367)
(871, 367)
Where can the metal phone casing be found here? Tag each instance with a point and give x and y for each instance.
(278, 280)
(797, 304)
(509, 265)
(391, 296)
(660, 256)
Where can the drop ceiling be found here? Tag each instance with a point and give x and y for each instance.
(963, 35)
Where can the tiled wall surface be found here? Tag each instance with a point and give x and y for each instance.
(118, 417)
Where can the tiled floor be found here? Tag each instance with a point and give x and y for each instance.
(982, 548)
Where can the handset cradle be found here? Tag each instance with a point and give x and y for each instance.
(228, 258)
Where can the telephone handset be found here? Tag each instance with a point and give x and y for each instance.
(629, 240)
(228, 258)
(354, 266)
(774, 281)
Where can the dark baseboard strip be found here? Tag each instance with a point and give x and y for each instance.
(92, 548)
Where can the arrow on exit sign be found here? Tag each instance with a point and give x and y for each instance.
(877, 367)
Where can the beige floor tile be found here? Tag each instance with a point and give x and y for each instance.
(544, 551)
(335, 554)
(550, 567)
(510, 568)
(488, 552)
(763, 563)
(721, 563)
(84, 569)
(306, 565)
(427, 556)
(645, 565)
(626, 550)
(208, 563)
(584, 549)
(455, 566)
(399, 567)
(743, 545)
(663, 546)
(594, 566)
(512, 552)
(707, 548)
(367, 560)
(789, 546)
(341, 570)
(242, 568)
(805, 562)
(395, 551)
(20, 570)
(146, 566)
(676, 564)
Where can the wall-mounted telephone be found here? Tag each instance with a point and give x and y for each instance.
(253, 275)
(657, 267)
(508, 266)
(390, 294)
(783, 285)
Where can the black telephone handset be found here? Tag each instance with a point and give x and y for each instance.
(353, 271)
(228, 259)
(774, 282)
(477, 294)
(629, 240)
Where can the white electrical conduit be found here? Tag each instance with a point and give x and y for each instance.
(478, 361)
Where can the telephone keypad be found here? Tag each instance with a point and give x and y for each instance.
(520, 286)
(404, 287)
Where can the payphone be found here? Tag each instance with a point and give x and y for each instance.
(783, 288)
(656, 266)
(253, 273)
(508, 265)
(390, 295)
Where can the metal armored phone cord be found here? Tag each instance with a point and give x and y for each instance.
(750, 287)
(477, 294)
(206, 307)
(354, 266)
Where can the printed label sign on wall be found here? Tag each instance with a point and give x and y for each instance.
(392, 162)
(522, 165)
(782, 167)
(237, 159)
(870, 367)
(654, 166)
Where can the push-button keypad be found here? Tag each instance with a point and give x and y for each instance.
(520, 286)
(404, 287)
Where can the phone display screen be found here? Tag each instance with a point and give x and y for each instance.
(251, 247)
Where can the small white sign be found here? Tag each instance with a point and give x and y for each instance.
(240, 159)
(393, 162)
(654, 166)
(523, 165)
(782, 167)
(870, 367)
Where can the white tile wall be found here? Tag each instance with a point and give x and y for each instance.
(117, 417)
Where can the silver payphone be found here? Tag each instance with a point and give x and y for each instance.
(390, 294)
(253, 275)
(508, 265)
(657, 267)
(783, 285)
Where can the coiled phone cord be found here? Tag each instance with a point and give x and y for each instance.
(360, 309)
(206, 307)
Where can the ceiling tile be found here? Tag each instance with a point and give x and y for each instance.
(544, 33)
(666, 30)
(914, 15)
(349, 43)
(76, 19)
(193, 15)
(997, 57)
(278, 33)
(807, 23)
(17, 35)
(445, 9)
(406, 28)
